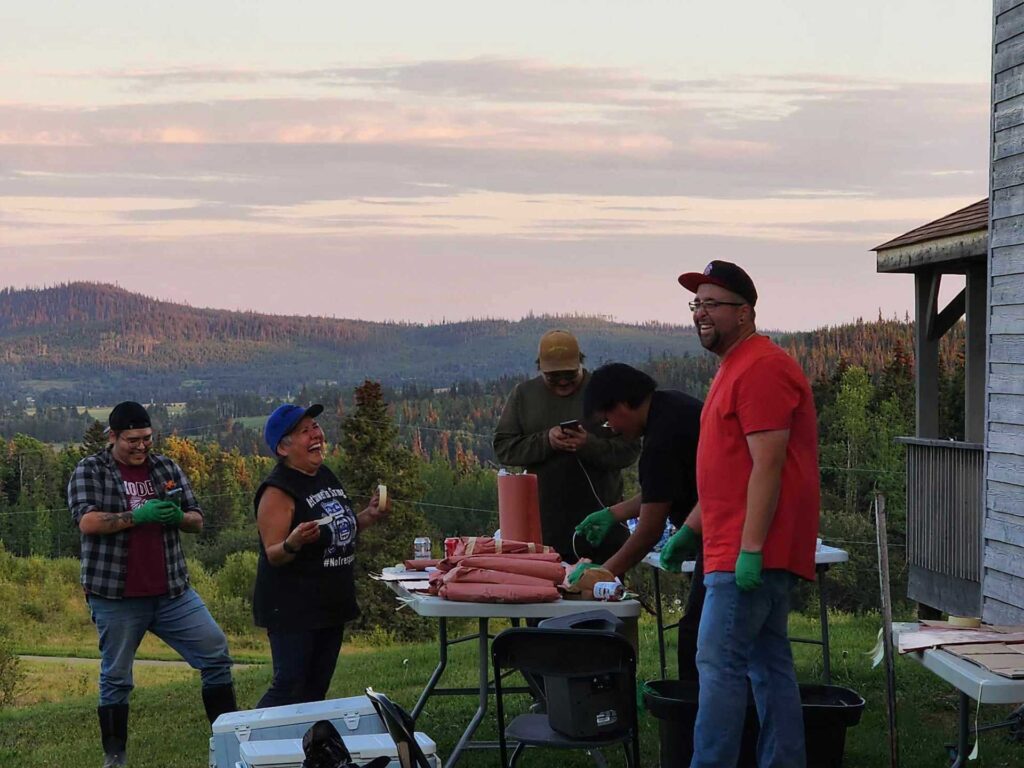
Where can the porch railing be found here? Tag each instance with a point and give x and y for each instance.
(945, 509)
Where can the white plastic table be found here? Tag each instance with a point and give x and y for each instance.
(431, 606)
(824, 558)
(970, 680)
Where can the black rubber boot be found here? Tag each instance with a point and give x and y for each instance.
(114, 732)
(218, 700)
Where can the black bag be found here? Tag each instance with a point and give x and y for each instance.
(324, 748)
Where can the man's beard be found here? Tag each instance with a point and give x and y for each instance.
(710, 342)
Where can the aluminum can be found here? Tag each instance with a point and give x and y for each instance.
(608, 590)
(450, 544)
(421, 548)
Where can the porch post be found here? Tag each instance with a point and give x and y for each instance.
(926, 352)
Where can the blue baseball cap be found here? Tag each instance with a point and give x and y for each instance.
(284, 419)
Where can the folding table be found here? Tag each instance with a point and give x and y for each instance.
(970, 680)
(430, 606)
(825, 557)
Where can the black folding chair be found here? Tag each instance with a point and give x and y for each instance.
(401, 729)
(567, 654)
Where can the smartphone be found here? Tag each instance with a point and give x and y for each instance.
(573, 425)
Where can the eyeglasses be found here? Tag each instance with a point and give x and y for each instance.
(561, 377)
(137, 441)
(711, 305)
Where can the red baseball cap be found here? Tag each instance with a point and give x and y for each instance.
(724, 274)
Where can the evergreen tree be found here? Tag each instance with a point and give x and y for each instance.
(95, 439)
(372, 454)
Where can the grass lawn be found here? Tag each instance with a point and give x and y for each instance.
(251, 422)
(56, 681)
(168, 727)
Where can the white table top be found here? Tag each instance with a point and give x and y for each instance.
(438, 607)
(982, 685)
(826, 555)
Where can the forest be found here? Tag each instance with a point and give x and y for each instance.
(432, 447)
(86, 343)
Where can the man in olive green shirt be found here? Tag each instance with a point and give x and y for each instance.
(578, 470)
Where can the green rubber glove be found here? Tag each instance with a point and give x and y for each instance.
(748, 570)
(596, 526)
(149, 512)
(682, 545)
(170, 513)
(579, 570)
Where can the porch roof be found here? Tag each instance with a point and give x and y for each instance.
(954, 241)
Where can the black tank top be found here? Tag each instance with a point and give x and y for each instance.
(317, 588)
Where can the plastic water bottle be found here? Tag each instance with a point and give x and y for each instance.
(665, 534)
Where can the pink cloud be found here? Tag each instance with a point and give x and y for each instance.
(728, 149)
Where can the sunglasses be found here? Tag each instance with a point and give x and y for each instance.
(561, 377)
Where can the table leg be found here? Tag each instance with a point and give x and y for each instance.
(660, 620)
(481, 710)
(826, 653)
(442, 643)
(965, 731)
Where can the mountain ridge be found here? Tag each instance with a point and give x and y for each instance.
(84, 338)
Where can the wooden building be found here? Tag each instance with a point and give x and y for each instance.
(945, 498)
(965, 500)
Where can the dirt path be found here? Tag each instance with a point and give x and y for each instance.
(95, 662)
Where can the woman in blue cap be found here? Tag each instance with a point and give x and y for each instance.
(305, 582)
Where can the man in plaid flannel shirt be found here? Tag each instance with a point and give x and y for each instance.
(130, 505)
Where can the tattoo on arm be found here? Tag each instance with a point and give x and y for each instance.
(114, 521)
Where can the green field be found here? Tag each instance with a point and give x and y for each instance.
(102, 412)
(168, 728)
(251, 422)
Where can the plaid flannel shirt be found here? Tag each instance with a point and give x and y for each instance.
(96, 484)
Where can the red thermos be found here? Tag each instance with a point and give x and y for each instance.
(519, 508)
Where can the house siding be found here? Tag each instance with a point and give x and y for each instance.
(1003, 558)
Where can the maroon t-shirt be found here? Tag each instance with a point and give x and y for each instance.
(145, 571)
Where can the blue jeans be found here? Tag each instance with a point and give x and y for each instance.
(304, 663)
(183, 622)
(744, 634)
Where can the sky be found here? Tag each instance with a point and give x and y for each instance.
(453, 160)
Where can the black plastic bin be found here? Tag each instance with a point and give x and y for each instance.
(828, 711)
(674, 704)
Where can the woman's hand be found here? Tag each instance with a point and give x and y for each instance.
(374, 512)
(301, 535)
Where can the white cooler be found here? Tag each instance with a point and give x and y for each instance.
(352, 716)
(287, 753)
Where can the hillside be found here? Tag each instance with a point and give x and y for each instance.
(83, 342)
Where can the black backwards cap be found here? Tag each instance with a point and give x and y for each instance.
(128, 415)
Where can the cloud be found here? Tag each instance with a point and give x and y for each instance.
(482, 78)
(865, 144)
(201, 212)
(518, 149)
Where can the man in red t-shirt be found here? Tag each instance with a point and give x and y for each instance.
(757, 510)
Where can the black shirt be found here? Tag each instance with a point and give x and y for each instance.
(668, 461)
(317, 588)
